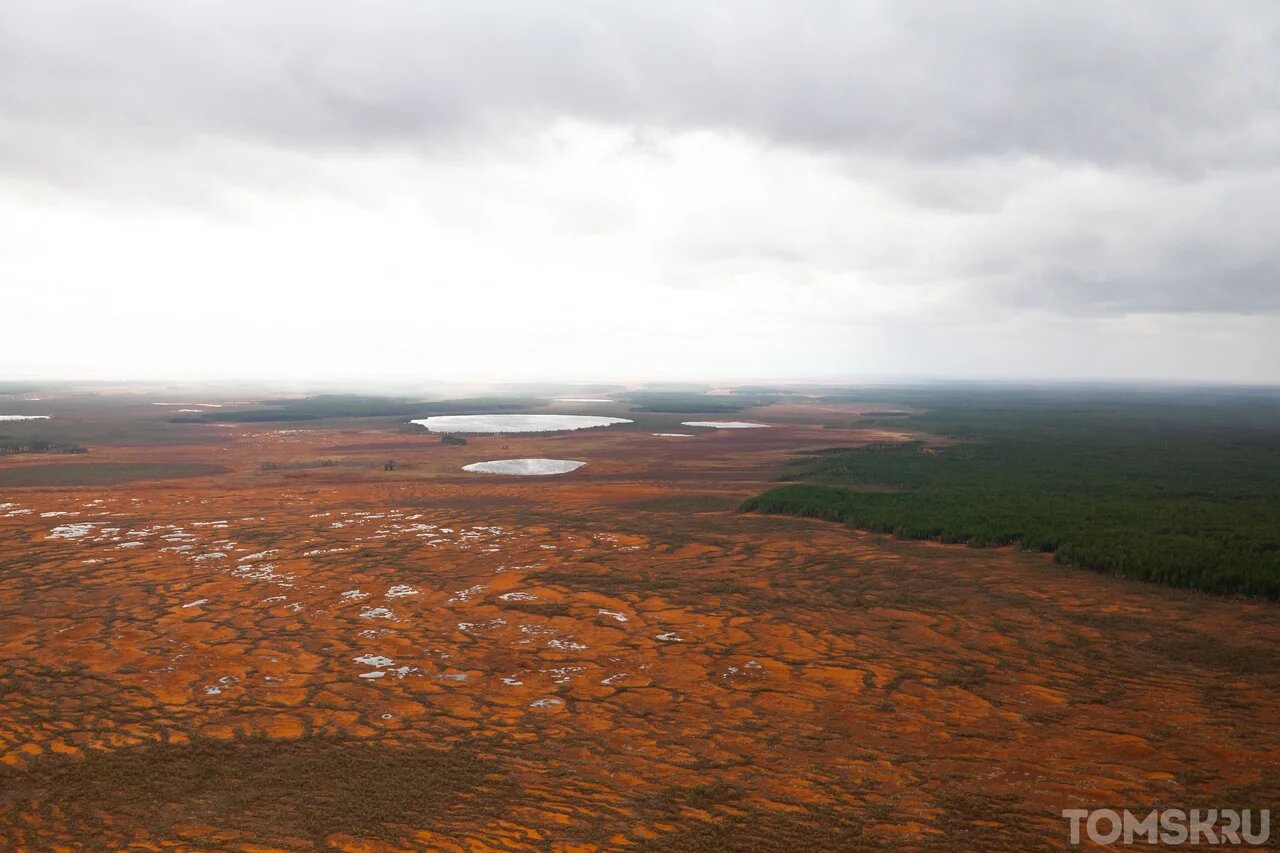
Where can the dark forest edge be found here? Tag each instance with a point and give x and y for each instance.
(15, 446)
(1180, 488)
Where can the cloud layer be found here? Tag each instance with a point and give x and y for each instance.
(731, 189)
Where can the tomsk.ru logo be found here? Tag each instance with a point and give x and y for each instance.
(1169, 826)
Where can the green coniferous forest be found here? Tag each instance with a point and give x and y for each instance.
(1180, 488)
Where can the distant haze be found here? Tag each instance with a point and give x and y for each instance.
(479, 191)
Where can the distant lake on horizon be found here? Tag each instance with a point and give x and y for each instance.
(514, 423)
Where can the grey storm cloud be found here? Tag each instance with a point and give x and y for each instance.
(1182, 86)
(1209, 287)
(939, 103)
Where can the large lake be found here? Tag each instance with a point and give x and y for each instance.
(514, 423)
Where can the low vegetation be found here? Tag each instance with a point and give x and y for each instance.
(102, 473)
(305, 464)
(1182, 489)
(306, 788)
(14, 446)
(324, 406)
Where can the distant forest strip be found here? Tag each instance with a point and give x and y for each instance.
(696, 402)
(1176, 488)
(12, 446)
(102, 473)
(355, 406)
(674, 402)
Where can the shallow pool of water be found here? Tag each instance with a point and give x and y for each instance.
(725, 424)
(525, 467)
(514, 423)
(24, 417)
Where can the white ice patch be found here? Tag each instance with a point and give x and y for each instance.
(514, 423)
(262, 572)
(564, 674)
(524, 467)
(467, 594)
(223, 683)
(491, 625)
(195, 603)
(670, 637)
(374, 660)
(545, 703)
(724, 424)
(73, 531)
(24, 417)
(377, 613)
(400, 591)
(674, 434)
(613, 614)
(751, 667)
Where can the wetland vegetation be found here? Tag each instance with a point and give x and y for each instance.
(102, 473)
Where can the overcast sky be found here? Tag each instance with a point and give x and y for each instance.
(399, 189)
